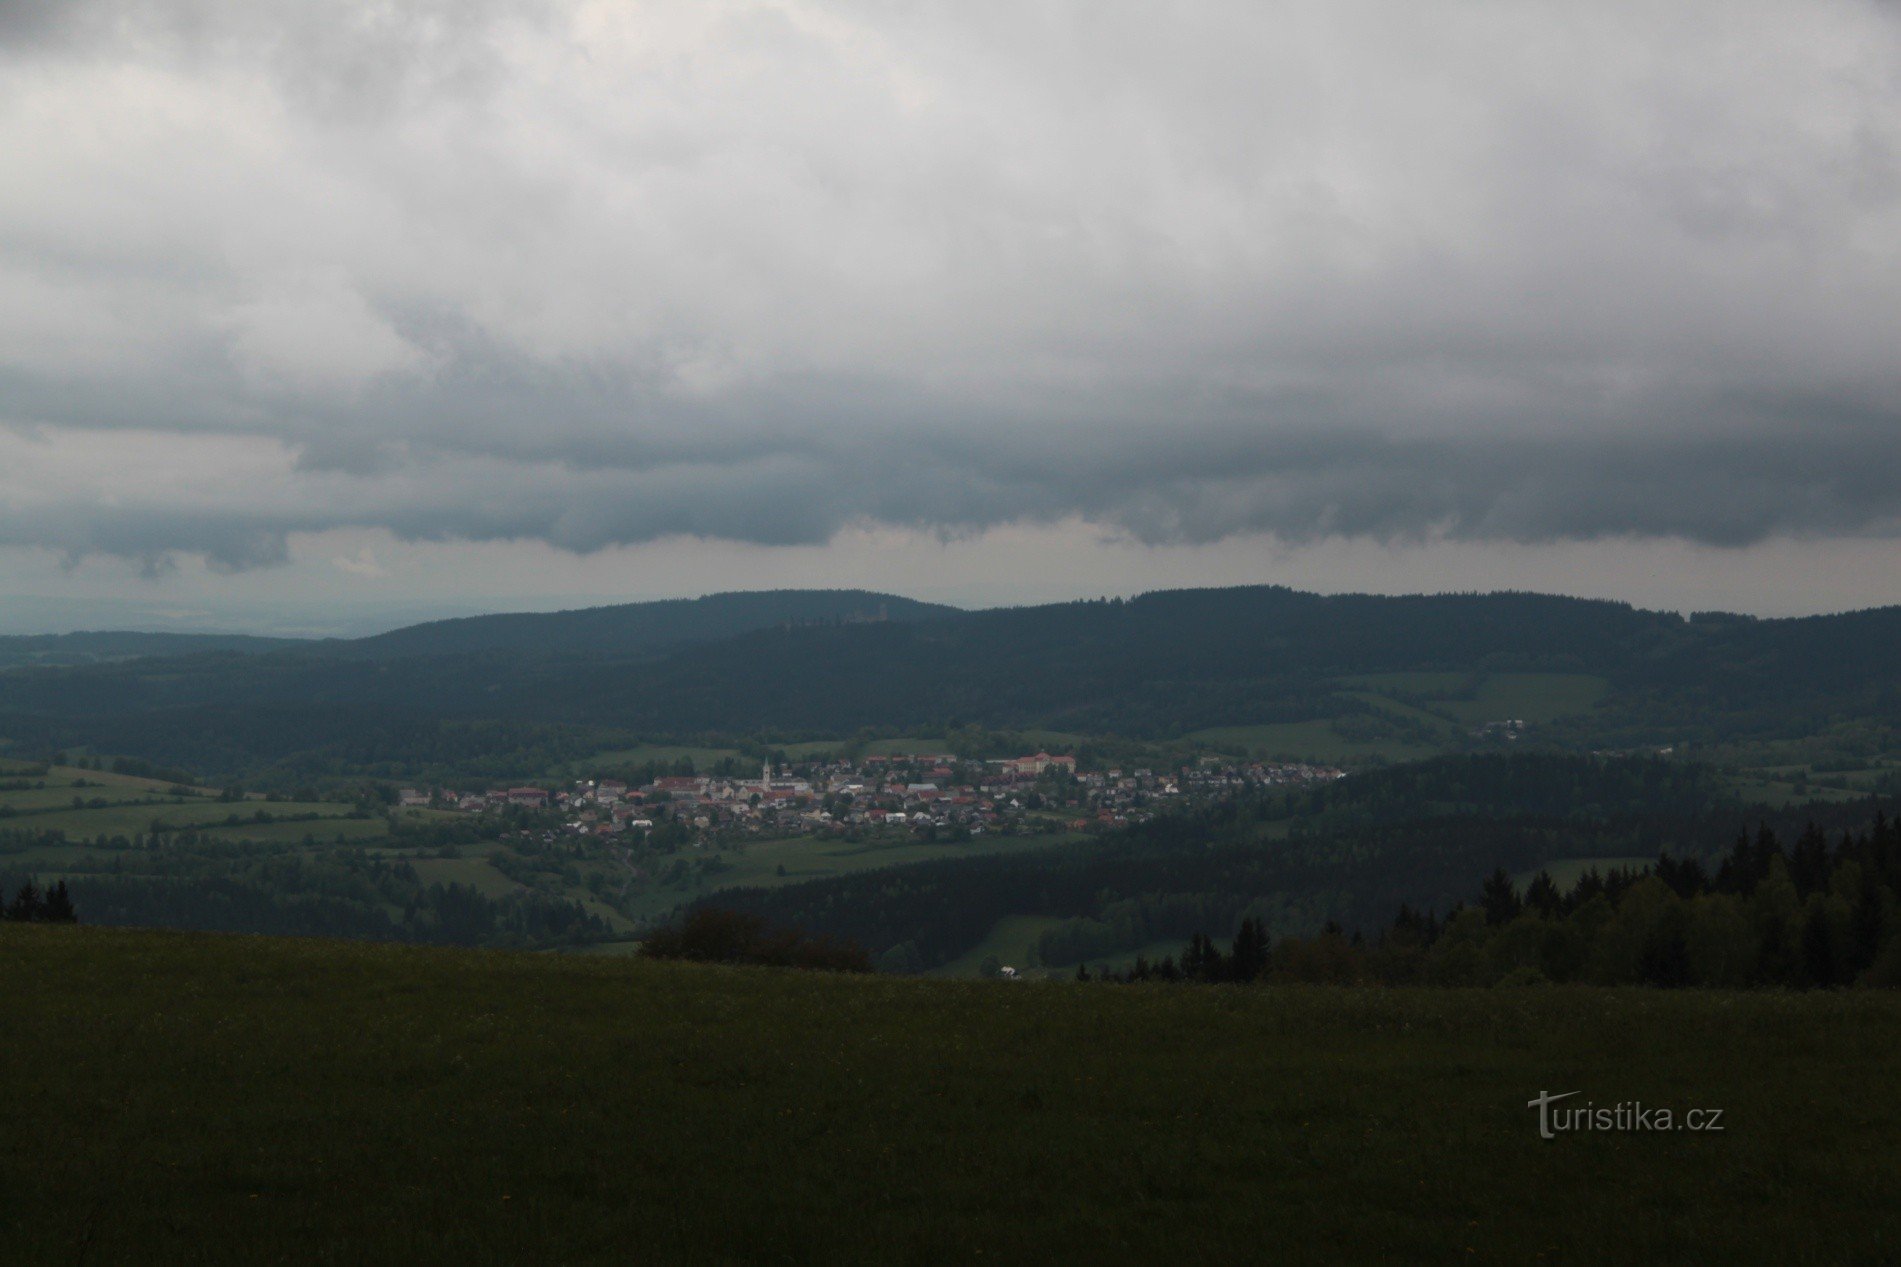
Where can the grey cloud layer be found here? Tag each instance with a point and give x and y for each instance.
(598, 274)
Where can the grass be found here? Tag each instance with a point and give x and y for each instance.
(1398, 708)
(60, 795)
(1472, 699)
(325, 830)
(1048, 740)
(908, 746)
(1012, 940)
(190, 1097)
(134, 803)
(475, 873)
(130, 819)
(1529, 697)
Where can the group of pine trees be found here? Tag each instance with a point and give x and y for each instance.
(1809, 916)
(1248, 959)
(32, 906)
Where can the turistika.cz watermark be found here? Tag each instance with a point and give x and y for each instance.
(1555, 1119)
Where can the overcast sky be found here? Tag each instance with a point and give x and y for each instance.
(354, 308)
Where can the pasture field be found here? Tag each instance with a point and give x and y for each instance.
(1530, 697)
(73, 776)
(133, 805)
(325, 830)
(475, 872)
(138, 817)
(1399, 708)
(907, 746)
(189, 1097)
(1436, 707)
(1013, 942)
(813, 748)
(1472, 699)
(62, 794)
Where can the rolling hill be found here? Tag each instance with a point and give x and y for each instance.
(640, 628)
(1404, 675)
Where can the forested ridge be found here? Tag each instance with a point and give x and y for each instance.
(1157, 667)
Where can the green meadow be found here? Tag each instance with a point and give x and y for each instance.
(124, 805)
(139, 817)
(1012, 940)
(188, 1097)
(1414, 715)
(907, 746)
(1473, 699)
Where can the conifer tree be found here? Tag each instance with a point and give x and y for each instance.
(57, 908)
(1865, 926)
(1542, 895)
(1808, 861)
(1248, 960)
(1819, 968)
(1500, 898)
(26, 904)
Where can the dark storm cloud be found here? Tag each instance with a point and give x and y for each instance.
(601, 274)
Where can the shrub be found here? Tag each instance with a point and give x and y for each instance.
(716, 936)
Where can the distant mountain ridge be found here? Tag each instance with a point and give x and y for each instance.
(641, 628)
(106, 646)
(829, 664)
(620, 629)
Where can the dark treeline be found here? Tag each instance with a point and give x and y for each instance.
(31, 905)
(1813, 915)
(438, 914)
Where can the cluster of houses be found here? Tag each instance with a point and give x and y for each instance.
(916, 793)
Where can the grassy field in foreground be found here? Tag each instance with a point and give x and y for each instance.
(190, 1097)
